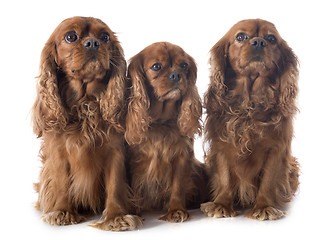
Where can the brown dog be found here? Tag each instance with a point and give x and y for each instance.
(164, 113)
(77, 113)
(250, 108)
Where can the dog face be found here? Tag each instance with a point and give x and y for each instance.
(168, 69)
(254, 47)
(252, 55)
(84, 53)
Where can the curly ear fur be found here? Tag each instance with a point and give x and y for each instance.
(288, 66)
(113, 99)
(191, 107)
(48, 111)
(217, 86)
(137, 119)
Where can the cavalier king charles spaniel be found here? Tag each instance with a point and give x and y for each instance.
(79, 114)
(164, 111)
(250, 106)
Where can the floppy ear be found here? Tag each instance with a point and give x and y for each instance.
(137, 118)
(112, 102)
(217, 87)
(48, 111)
(191, 107)
(288, 67)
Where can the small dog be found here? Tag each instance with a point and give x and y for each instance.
(250, 108)
(78, 114)
(163, 116)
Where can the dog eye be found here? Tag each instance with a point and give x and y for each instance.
(271, 38)
(105, 37)
(156, 67)
(184, 65)
(241, 37)
(71, 37)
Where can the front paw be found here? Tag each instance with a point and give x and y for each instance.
(217, 210)
(120, 223)
(267, 213)
(60, 218)
(176, 216)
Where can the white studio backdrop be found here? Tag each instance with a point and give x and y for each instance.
(195, 26)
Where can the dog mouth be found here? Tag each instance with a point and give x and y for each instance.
(92, 77)
(93, 62)
(256, 61)
(256, 58)
(253, 66)
(174, 94)
(90, 70)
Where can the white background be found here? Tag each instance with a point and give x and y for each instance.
(196, 26)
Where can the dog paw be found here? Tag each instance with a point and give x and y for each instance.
(176, 216)
(268, 213)
(61, 218)
(120, 223)
(217, 210)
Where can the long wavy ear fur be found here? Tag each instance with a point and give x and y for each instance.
(48, 111)
(217, 87)
(137, 118)
(113, 100)
(191, 107)
(288, 67)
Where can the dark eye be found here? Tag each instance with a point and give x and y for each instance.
(156, 67)
(184, 65)
(105, 37)
(271, 38)
(241, 37)
(71, 37)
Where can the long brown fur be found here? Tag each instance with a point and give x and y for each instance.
(79, 114)
(250, 107)
(163, 117)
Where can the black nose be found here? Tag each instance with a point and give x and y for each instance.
(175, 76)
(258, 43)
(91, 44)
